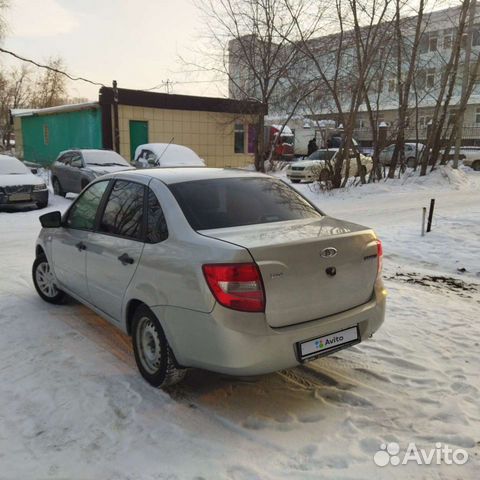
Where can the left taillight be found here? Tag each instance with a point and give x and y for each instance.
(237, 286)
(379, 258)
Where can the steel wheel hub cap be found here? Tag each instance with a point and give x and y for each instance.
(148, 343)
(45, 280)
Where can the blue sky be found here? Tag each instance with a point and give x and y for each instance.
(136, 42)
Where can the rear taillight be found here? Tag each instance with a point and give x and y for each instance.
(379, 257)
(237, 286)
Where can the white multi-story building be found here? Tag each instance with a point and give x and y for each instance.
(439, 32)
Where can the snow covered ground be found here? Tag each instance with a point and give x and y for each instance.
(72, 404)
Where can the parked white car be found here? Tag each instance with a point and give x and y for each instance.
(412, 152)
(318, 166)
(151, 155)
(470, 157)
(226, 270)
(19, 185)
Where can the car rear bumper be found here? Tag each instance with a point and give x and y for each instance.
(237, 343)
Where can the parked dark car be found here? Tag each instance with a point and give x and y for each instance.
(75, 169)
(19, 185)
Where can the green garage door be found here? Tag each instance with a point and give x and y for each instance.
(138, 135)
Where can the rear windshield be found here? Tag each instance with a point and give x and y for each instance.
(105, 158)
(233, 202)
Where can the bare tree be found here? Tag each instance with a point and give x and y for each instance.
(445, 92)
(345, 62)
(50, 87)
(250, 46)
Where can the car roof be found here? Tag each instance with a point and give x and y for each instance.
(93, 150)
(171, 175)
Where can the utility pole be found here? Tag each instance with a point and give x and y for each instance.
(465, 81)
(116, 127)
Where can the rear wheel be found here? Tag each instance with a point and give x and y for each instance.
(154, 358)
(44, 281)
(411, 162)
(57, 188)
(476, 165)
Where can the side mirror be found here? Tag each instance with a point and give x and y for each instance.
(51, 220)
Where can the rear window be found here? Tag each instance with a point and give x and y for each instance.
(233, 202)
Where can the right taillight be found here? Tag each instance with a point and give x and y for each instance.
(379, 257)
(237, 286)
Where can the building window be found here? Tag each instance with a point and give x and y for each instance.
(477, 116)
(391, 85)
(45, 135)
(476, 36)
(432, 44)
(447, 41)
(239, 138)
(430, 78)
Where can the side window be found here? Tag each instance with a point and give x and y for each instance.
(83, 212)
(123, 213)
(63, 159)
(76, 161)
(157, 230)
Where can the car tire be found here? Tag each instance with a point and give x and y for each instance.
(153, 355)
(411, 162)
(295, 181)
(476, 165)
(43, 281)
(41, 205)
(324, 175)
(57, 187)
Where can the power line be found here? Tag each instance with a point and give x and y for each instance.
(56, 70)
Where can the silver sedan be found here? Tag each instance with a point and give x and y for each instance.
(226, 270)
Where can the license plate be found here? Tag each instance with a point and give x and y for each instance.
(19, 197)
(323, 345)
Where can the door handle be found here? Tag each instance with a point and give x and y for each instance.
(126, 259)
(81, 246)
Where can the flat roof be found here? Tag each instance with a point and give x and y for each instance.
(142, 98)
(73, 107)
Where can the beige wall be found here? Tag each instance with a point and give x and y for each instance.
(209, 134)
(17, 128)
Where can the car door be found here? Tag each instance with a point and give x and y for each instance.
(60, 170)
(69, 243)
(115, 248)
(76, 165)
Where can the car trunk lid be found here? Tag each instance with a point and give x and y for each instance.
(310, 268)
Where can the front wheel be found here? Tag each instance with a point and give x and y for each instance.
(44, 281)
(57, 188)
(476, 165)
(153, 356)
